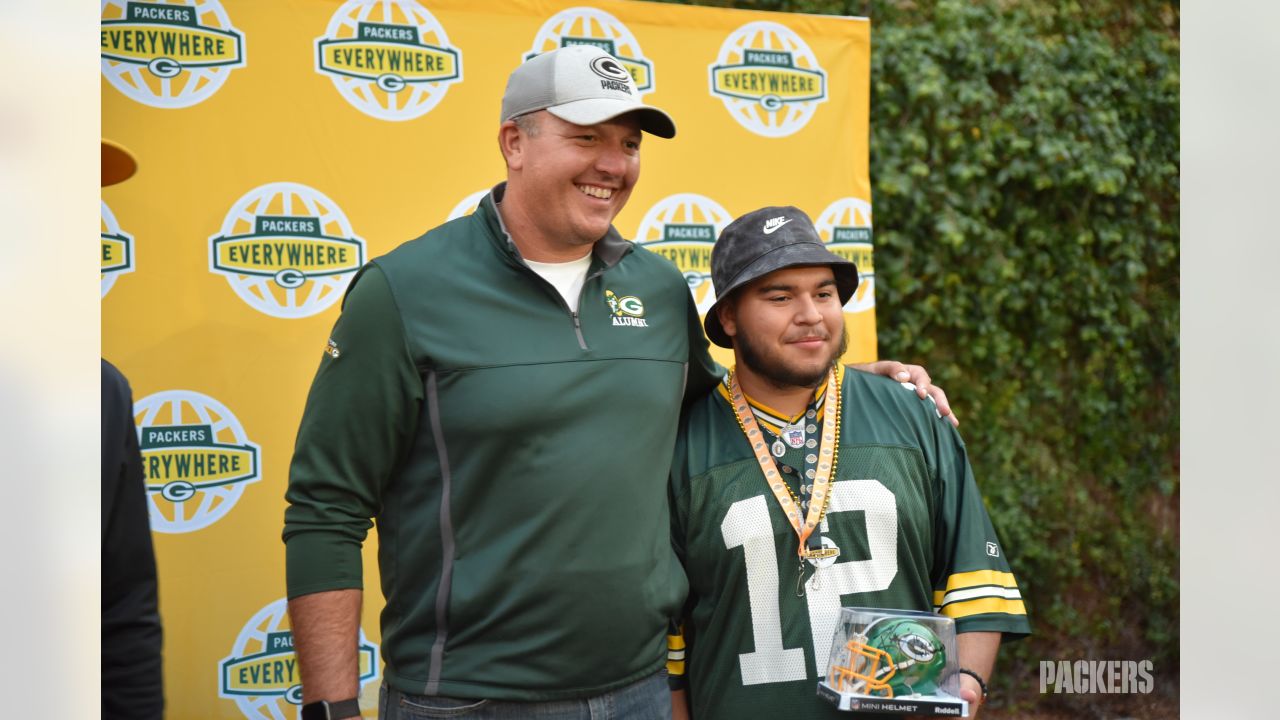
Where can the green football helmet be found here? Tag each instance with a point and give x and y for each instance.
(894, 657)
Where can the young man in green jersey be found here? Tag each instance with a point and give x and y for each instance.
(481, 401)
(799, 487)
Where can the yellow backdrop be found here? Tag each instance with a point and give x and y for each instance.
(282, 144)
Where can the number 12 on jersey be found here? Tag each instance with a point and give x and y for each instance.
(747, 525)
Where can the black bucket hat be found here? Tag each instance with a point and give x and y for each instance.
(761, 242)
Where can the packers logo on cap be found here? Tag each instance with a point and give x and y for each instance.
(615, 78)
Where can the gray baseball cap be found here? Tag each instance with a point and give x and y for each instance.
(761, 242)
(581, 84)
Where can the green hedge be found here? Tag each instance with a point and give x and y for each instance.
(1025, 169)
(1024, 162)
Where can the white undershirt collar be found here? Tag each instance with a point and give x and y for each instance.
(566, 277)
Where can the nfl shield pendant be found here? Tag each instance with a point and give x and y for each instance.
(794, 435)
(778, 449)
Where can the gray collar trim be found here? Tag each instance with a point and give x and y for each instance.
(609, 249)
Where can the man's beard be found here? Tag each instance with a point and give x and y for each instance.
(776, 373)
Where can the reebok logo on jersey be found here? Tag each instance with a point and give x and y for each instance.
(993, 550)
(773, 224)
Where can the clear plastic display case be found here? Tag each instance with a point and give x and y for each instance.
(894, 661)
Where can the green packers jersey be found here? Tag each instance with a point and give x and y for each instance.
(904, 512)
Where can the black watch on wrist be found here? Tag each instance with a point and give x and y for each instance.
(325, 710)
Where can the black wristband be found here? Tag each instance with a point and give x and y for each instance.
(981, 683)
(324, 710)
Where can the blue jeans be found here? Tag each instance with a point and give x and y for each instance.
(646, 699)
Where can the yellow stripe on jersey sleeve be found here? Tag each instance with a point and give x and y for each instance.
(977, 592)
(980, 606)
(962, 580)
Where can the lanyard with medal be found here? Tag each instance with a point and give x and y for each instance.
(810, 543)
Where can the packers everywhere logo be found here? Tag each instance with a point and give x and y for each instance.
(391, 59)
(196, 459)
(287, 250)
(683, 228)
(846, 226)
(768, 79)
(261, 673)
(169, 53)
(589, 26)
(117, 250)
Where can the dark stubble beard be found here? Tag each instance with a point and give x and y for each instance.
(777, 373)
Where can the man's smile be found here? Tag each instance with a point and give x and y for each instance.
(595, 191)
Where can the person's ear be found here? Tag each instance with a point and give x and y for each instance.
(512, 141)
(728, 314)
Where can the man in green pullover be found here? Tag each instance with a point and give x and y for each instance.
(502, 395)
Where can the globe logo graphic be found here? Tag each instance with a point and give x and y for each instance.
(117, 251)
(196, 459)
(287, 250)
(768, 79)
(169, 53)
(683, 228)
(261, 673)
(390, 59)
(846, 226)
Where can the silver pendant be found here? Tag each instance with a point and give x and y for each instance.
(778, 449)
